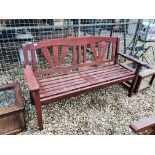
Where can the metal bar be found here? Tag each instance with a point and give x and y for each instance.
(79, 22)
(146, 34)
(62, 26)
(134, 41)
(111, 31)
(124, 27)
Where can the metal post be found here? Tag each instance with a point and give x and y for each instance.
(124, 27)
(111, 31)
(79, 22)
(146, 34)
(111, 28)
(134, 41)
(94, 26)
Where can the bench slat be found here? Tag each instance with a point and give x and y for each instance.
(79, 55)
(47, 55)
(84, 54)
(34, 62)
(105, 49)
(113, 50)
(85, 89)
(71, 41)
(72, 76)
(74, 55)
(91, 69)
(89, 82)
(100, 53)
(55, 53)
(81, 76)
(62, 69)
(78, 82)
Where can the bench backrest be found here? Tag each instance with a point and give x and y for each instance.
(78, 49)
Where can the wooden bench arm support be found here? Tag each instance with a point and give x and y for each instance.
(129, 57)
(31, 79)
(143, 124)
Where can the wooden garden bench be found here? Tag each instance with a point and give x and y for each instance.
(82, 74)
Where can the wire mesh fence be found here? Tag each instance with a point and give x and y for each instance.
(15, 32)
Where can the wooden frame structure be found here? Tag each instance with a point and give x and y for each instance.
(12, 118)
(144, 126)
(101, 72)
(141, 83)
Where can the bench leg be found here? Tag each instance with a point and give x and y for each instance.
(152, 79)
(38, 110)
(132, 88)
(138, 85)
(134, 80)
(32, 99)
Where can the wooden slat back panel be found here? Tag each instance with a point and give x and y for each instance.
(79, 55)
(113, 50)
(100, 53)
(84, 54)
(47, 55)
(74, 56)
(56, 58)
(25, 53)
(78, 47)
(33, 55)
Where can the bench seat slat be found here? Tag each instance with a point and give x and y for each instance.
(71, 85)
(91, 82)
(80, 78)
(83, 90)
(92, 68)
(78, 75)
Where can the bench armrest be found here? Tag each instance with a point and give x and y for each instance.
(30, 79)
(143, 124)
(129, 57)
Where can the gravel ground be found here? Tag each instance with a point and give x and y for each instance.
(7, 98)
(105, 111)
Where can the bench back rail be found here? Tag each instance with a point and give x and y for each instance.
(71, 53)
